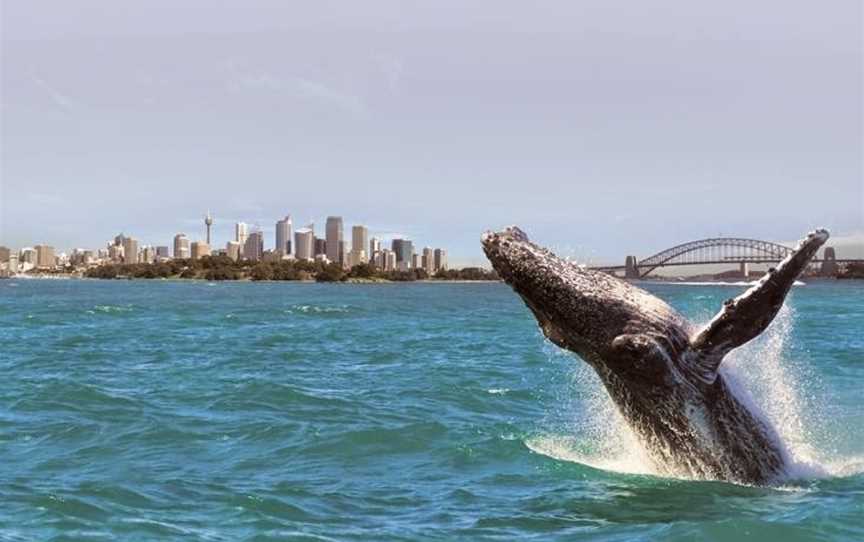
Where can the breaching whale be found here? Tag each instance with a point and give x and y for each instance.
(660, 370)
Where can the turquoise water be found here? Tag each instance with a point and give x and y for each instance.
(240, 411)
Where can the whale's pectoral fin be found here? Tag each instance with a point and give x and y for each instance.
(746, 316)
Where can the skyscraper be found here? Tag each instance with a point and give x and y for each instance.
(359, 242)
(440, 259)
(374, 247)
(130, 250)
(404, 250)
(5, 253)
(334, 238)
(304, 244)
(162, 252)
(241, 231)
(232, 249)
(45, 258)
(320, 247)
(283, 236)
(428, 262)
(181, 246)
(253, 249)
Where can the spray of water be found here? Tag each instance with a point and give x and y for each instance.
(587, 428)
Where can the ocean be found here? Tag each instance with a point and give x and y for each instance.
(160, 410)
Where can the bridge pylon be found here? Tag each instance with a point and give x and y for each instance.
(630, 269)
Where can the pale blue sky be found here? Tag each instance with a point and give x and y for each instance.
(604, 128)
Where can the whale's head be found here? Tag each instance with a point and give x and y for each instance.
(578, 309)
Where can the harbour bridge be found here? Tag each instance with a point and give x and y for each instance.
(720, 250)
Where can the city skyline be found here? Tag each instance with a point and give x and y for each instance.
(585, 124)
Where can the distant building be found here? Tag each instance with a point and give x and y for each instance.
(130, 250)
(181, 247)
(304, 244)
(115, 253)
(148, 254)
(232, 249)
(389, 260)
(162, 252)
(28, 256)
(359, 242)
(416, 261)
(320, 247)
(428, 261)
(241, 232)
(45, 258)
(5, 253)
(284, 232)
(200, 249)
(404, 250)
(440, 259)
(208, 222)
(334, 238)
(253, 249)
(374, 246)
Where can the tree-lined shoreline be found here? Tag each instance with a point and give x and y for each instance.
(221, 268)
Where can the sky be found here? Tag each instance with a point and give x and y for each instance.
(602, 128)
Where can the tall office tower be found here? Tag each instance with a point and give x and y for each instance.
(162, 252)
(5, 252)
(283, 236)
(342, 254)
(359, 242)
(333, 234)
(319, 247)
(253, 249)
(232, 249)
(390, 260)
(118, 240)
(416, 261)
(200, 249)
(304, 244)
(374, 246)
(241, 232)
(404, 250)
(208, 221)
(181, 247)
(130, 250)
(440, 260)
(428, 261)
(28, 255)
(45, 258)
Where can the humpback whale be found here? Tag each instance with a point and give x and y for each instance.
(661, 371)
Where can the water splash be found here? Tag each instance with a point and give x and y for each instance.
(587, 428)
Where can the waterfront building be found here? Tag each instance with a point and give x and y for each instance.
(428, 261)
(304, 244)
(162, 252)
(416, 261)
(181, 247)
(130, 250)
(253, 249)
(359, 242)
(389, 260)
(404, 250)
(333, 235)
(232, 249)
(374, 246)
(283, 236)
(12, 263)
(119, 240)
(5, 253)
(440, 259)
(45, 257)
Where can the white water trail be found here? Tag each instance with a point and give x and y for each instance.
(787, 394)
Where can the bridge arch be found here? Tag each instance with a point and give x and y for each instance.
(715, 250)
